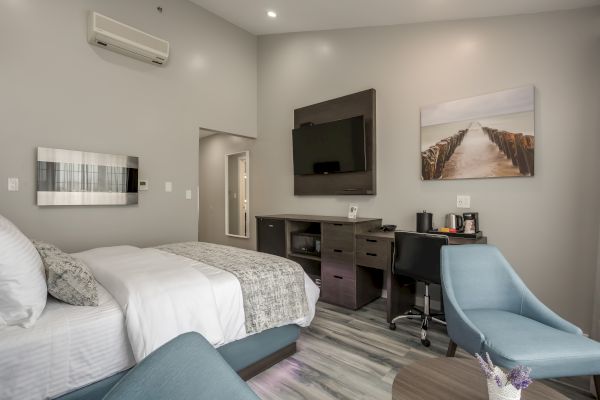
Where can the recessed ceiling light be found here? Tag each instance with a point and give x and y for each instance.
(271, 14)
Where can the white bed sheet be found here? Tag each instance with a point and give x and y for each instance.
(67, 348)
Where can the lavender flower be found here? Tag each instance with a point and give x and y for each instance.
(489, 360)
(519, 377)
(487, 369)
(498, 381)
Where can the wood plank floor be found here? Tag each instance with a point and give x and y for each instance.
(352, 355)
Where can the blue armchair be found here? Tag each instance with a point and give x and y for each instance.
(489, 309)
(186, 368)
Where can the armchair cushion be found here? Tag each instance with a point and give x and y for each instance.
(513, 339)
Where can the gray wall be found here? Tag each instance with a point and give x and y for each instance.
(547, 226)
(596, 321)
(211, 227)
(59, 91)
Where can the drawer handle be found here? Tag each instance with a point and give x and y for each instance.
(371, 240)
(338, 277)
(338, 224)
(372, 254)
(271, 226)
(337, 250)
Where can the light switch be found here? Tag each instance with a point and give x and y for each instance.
(188, 194)
(13, 184)
(143, 185)
(463, 201)
(168, 186)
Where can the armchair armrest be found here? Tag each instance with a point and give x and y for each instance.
(538, 311)
(186, 368)
(460, 328)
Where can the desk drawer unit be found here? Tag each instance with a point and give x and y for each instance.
(337, 236)
(337, 256)
(338, 286)
(373, 253)
(338, 277)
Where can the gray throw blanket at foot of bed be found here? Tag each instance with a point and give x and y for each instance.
(272, 286)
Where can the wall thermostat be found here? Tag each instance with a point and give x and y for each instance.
(143, 185)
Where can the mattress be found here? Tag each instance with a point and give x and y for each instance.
(118, 268)
(68, 347)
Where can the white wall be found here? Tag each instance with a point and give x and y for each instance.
(56, 90)
(547, 225)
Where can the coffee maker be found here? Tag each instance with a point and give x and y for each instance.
(471, 222)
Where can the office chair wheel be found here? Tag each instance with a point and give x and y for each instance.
(392, 326)
(425, 342)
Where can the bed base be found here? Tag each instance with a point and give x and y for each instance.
(262, 365)
(248, 357)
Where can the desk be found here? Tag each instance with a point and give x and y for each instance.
(375, 250)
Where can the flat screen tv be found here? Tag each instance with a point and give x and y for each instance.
(331, 147)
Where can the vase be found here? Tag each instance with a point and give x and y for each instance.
(507, 392)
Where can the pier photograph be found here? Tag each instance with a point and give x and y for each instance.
(486, 136)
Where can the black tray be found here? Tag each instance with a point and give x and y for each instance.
(476, 235)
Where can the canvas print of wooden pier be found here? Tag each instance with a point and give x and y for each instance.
(487, 136)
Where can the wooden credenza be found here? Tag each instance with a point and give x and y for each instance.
(343, 282)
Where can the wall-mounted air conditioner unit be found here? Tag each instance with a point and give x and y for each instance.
(116, 36)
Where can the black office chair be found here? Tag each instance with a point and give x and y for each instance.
(417, 255)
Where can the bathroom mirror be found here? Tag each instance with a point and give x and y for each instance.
(237, 193)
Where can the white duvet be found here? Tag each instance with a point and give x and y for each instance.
(164, 295)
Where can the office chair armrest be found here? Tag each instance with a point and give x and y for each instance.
(533, 308)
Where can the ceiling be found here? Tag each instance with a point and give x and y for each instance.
(312, 15)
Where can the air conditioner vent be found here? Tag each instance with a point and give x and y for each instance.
(121, 38)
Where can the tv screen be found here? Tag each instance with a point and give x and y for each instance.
(328, 148)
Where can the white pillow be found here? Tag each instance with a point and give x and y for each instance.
(23, 289)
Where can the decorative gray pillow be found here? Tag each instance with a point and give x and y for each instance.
(68, 278)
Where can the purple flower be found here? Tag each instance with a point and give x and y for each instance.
(498, 381)
(488, 369)
(489, 360)
(519, 377)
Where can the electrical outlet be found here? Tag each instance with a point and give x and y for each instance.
(13, 184)
(463, 201)
(188, 194)
(168, 187)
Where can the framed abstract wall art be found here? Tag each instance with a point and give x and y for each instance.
(70, 178)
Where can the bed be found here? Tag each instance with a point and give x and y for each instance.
(146, 297)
